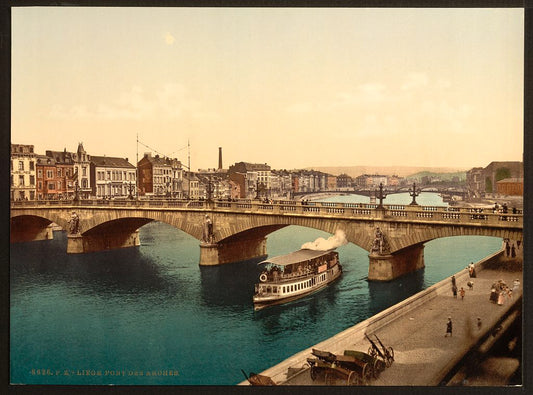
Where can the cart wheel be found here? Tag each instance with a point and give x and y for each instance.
(366, 374)
(352, 378)
(372, 352)
(313, 373)
(376, 368)
(390, 357)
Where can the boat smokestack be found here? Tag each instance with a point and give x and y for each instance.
(219, 158)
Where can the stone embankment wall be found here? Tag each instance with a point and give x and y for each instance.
(346, 338)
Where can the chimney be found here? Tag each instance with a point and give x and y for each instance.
(219, 158)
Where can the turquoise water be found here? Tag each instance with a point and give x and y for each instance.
(150, 315)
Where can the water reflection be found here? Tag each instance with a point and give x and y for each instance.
(231, 285)
(385, 294)
(108, 272)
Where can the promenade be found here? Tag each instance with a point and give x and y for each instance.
(416, 328)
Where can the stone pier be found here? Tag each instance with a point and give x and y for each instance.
(390, 266)
(79, 244)
(226, 252)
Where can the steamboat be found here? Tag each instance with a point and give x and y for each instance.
(295, 275)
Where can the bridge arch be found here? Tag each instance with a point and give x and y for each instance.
(240, 228)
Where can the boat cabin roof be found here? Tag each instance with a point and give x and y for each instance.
(295, 257)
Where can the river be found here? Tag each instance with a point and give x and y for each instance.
(151, 316)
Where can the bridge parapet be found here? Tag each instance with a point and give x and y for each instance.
(431, 214)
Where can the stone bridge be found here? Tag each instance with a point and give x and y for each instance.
(394, 235)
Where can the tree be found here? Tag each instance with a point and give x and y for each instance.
(488, 184)
(502, 173)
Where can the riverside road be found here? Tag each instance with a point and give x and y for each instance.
(423, 355)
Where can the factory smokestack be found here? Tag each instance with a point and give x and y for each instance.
(219, 158)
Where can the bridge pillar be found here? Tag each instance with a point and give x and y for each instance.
(79, 244)
(391, 266)
(235, 251)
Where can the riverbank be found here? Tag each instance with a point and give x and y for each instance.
(415, 328)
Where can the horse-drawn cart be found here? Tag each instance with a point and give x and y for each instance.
(339, 367)
(385, 353)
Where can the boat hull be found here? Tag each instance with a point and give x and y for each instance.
(273, 300)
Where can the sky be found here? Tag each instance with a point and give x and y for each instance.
(291, 87)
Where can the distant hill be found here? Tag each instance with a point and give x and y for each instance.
(442, 176)
(401, 171)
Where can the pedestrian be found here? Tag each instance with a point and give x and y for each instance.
(513, 252)
(507, 248)
(454, 290)
(478, 323)
(501, 298)
(453, 281)
(449, 326)
(462, 293)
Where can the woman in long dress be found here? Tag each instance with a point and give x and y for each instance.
(501, 298)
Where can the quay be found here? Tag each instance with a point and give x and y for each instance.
(416, 328)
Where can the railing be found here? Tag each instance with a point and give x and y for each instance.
(397, 213)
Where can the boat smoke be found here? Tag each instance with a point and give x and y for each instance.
(321, 244)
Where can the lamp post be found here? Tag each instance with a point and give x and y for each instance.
(76, 191)
(209, 190)
(380, 196)
(414, 193)
(130, 190)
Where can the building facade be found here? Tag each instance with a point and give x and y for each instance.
(256, 181)
(65, 172)
(191, 186)
(49, 185)
(82, 170)
(160, 176)
(23, 172)
(112, 177)
(510, 186)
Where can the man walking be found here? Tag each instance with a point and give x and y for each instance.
(462, 293)
(449, 326)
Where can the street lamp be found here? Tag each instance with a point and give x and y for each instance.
(414, 193)
(380, 196)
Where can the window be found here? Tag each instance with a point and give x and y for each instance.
(40, 173)
(32, 165)
(21, 165)
(51, 186)
(40, 185)
(49, 174)
(32, 180)
(59, 172)
(21, 181)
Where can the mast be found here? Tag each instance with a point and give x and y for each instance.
(137, 169)
(189, 168)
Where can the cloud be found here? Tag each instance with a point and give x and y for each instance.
(169, 39)
(300, 108)
(415, 80)
(172, 100)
